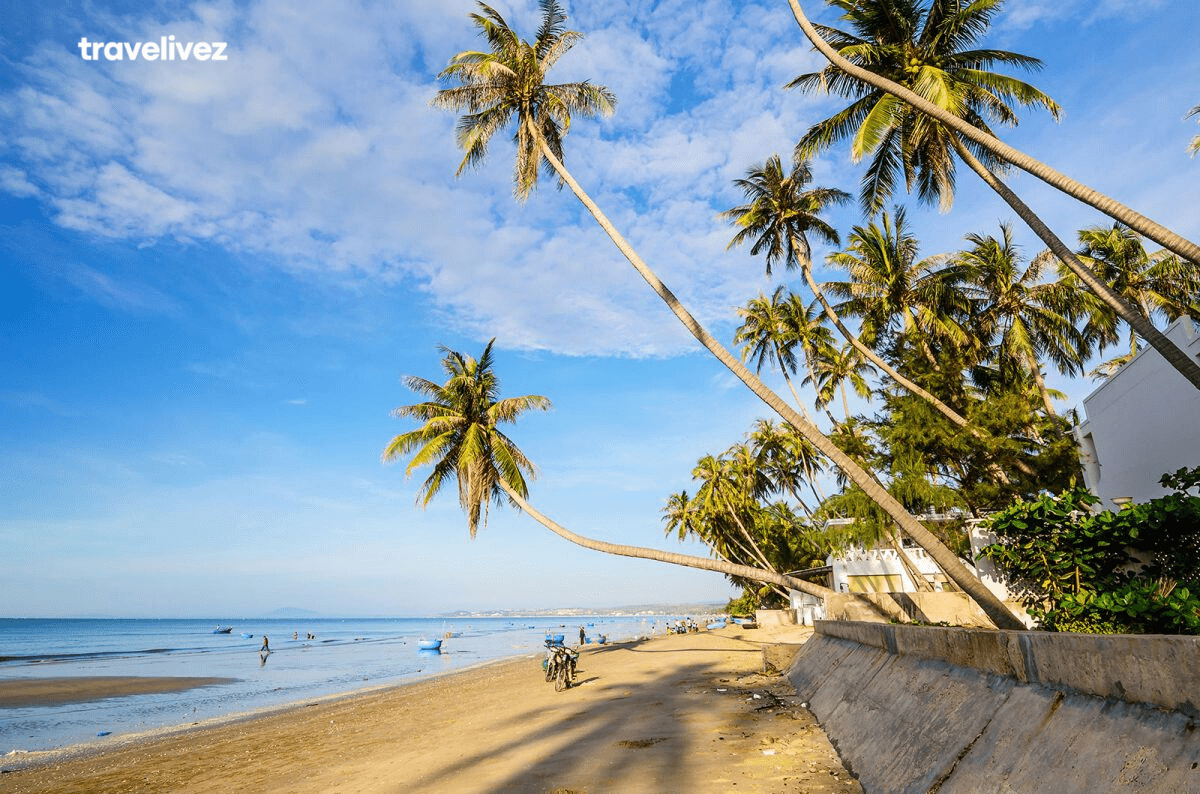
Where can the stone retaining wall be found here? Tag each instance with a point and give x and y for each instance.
(919, 709)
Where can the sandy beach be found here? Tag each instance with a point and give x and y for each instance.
(688, 713)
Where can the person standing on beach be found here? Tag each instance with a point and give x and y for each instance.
(582, 635)
(266, 645)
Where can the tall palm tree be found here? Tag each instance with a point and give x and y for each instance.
(861, 70)
(812, 337)
(779, 212)
(461, 437)
(911, 50)
(1158, 284)
(1021, 316)
(929, 46)
(488, 91)
(837, 367)
(898, 296)
(767, 337)
(461, 440)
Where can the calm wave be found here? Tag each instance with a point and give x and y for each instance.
(343, 655)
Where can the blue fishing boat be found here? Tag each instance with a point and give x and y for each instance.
(429, 645)
(222, 629)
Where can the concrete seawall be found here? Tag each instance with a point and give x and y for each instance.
(919, 709)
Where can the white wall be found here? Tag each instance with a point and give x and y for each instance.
(1142, 422)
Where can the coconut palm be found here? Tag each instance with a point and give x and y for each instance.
(929, 46)
(788, 459)
(1158, 284)
(860, 70)
(917, 45)
(461, 437)
(899, 297)
(835, 368)
(461, 440)
(1023, 318)
(768, 337)
(779, 212)
(488, 91)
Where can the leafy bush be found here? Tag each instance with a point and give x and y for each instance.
(1132, 571)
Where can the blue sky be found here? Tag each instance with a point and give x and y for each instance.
(214, 275)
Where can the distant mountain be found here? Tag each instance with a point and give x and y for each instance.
(292, 612)
(625, 611)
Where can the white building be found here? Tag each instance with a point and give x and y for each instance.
(1141, 422)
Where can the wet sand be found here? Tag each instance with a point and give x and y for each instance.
(690, 713)
(18, 693)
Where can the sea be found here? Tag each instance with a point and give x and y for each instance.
(310, 658)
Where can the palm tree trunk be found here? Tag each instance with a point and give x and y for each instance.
(992, 606)
(1040, 380)
(918, 579)
(1137, 321)
(1110, 207)
(674, 558)
(878, 361)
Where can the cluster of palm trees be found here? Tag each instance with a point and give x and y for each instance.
(922, 98)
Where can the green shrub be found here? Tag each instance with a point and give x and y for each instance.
(1132, 571)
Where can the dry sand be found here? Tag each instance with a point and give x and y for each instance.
(674, 714)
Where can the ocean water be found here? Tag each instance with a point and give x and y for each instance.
(346, 655)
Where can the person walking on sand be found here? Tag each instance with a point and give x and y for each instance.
(582, 635)
(266, 645)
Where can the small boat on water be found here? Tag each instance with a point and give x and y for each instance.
(429, 645)
(222, 629)
(246, 636)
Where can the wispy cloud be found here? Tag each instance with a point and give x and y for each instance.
(314, 147)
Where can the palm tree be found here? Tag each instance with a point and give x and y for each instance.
(460, 439)
(488, 92)
(860, 70)
(1022, 316)
(838, 366)
(779, 212)
(927, 46)
(911, 50)
(1158, 284)
(767, 337)
(460, 436)
(899, 297)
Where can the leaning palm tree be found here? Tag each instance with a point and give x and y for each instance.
(1158, 284)
(768, 338)
(1023, 317)
(891, 84)
(507, 84)
(778, 214)
(921, 46)
(896, 294)
(461, 440)
(837, 367)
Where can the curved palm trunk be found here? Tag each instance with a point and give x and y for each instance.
(1040, 380)
(942, 408)
(1110, 207)
(686, 560)
(1137, 321)
(992, 606)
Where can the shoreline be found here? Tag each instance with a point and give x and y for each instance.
(685, 712)
(31, 759)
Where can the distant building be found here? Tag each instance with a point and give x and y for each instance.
(1141, 422)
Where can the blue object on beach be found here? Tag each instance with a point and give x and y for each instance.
(559, 638)
(429, 645)
(720, 625)
(222, 629)
(246, 636)
(103, 733)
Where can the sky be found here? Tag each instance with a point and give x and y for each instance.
(214, 275)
